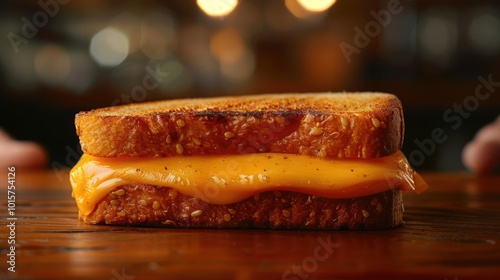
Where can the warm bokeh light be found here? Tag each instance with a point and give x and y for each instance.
(158, 35)
(296, 9)
(21, 75)
(217, 8)
(130, 24)
(484, 33)
(109, 47)
(437, 35)
(321, 68)
(194, 46)
(227, 45)
(180, 78)
(240, 70)
(316, 5)
(82, 72)
(52, 64)
(237, 63)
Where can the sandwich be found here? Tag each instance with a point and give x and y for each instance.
(322, 161)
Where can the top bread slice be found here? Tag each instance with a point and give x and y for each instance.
(333, 125)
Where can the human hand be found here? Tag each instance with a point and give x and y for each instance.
(21, 154)
(482, 154)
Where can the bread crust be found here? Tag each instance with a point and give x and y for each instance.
(147, 205)
(330, 125)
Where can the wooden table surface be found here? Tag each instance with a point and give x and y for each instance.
(452, 231)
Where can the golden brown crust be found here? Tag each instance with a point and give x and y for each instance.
(326, 125)
(146, 205)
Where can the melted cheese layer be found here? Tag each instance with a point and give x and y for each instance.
(227, 179)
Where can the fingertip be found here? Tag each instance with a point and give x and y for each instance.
(28, 155)
(38, 155)
(489, 133)
(482, 157)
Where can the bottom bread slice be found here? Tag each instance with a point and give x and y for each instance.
(147, 205)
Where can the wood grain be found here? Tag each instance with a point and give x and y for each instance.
(452, 231)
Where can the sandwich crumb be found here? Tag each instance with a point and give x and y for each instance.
(379, 207)
(344, 122)
(156, 205)
(114, 202)
(180, 123)
(179, 149)
(334, 134)
(119, 192)
(142, 202)
(228, 134)
(375, 122)
(316, 131)
(169, 223)
(231, 211)
(322, 153)
(227, 217)
(365, 213)
(196, 213)
(168, 139)
(196, 141)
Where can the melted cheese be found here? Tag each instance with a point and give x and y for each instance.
(229, 179)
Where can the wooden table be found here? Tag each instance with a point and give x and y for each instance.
(452, 231)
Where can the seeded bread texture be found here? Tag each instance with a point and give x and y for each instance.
(146, 205)
(334, 125)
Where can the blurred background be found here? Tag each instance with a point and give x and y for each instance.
(61, 57)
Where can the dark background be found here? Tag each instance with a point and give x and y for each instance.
(430, 54)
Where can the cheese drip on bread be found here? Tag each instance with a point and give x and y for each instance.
(227, 179)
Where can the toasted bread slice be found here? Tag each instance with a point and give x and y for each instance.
(146, 205)
(334, 125)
